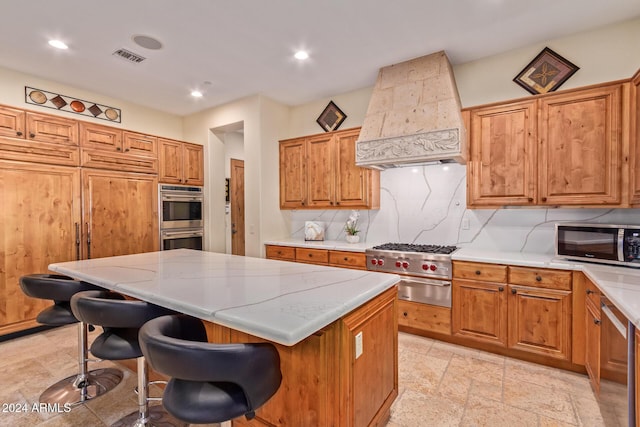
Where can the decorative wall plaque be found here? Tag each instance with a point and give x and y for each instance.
(545, 73)
(70, 104)
(331, 118)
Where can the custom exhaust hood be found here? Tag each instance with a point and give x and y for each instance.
(413, 116)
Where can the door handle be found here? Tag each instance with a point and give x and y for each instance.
(88, 242)
(77, 241)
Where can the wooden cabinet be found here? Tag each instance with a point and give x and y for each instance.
(105, 147)
(319, 172)
(53, 129)
(637, 366)
(335, 258)
(592, 324)
(181, 163)
(560, 149)
(39, 225)
(502, 167)
(635, 141)
(424, 317)
(120, 213)
(12, 122)
(479, 306)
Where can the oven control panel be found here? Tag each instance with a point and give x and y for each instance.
(414, 266)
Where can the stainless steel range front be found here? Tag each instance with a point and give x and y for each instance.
(426, 270)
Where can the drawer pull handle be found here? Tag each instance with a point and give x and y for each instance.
(501, 288)
(538, 279)
(478, 272)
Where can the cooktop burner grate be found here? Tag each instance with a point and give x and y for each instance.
(409, 247)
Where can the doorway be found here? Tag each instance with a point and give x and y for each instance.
(236, 200)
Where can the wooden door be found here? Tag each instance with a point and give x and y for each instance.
(502, 164)
(352, 182)
(540, 321)
(592, 345)
(580, 147)
(100, 137)
(193, 166)
(45, 128)
(635, 140)
(170, 161)
(479, 311)
(236, 199)
(320, 171)
(613, 351)
(12, 122)
(120, 214)
(38, 219)
(293, 174)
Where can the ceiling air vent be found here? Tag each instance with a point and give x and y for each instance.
(127, 55)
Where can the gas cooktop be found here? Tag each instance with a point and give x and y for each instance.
(410, 247)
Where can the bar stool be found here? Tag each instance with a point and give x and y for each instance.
(121, 320)
(210, 383)
(86, 384)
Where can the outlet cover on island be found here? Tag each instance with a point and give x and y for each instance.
(359, 344)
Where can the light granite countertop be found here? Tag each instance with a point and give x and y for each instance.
(620, 284)
(279, 301)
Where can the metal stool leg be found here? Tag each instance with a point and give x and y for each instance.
(146, 415)
(86, 384)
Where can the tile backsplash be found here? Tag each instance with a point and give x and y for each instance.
(427, 204)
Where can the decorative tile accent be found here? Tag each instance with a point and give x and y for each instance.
(71, 105)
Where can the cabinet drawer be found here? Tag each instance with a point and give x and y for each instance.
(479, 271)
(426, 317)
(39, 152)
(100, 159)
(313, 256)
(100, 137)
(593, 293)
(57, 130)
(281, 252)
(139, 144)
(348, 259)
(540, 278)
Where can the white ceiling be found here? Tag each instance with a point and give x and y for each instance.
(245, 47)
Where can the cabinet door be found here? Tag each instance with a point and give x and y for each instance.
(502, 164)
(193, 166)
(100, 137)
(479, 311)
(320, 171)
(12, 122)
(635, 140)
(352, 182)
(139, 144)
(38, 219)
(58, 130)
(170, 161)
(293, 174)
(580, 147)
(120, 213)
(592, 345)
(540, 321)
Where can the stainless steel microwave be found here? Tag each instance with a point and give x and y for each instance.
(603, 243)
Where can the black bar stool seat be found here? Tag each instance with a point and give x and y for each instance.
(86, 384)
(121, 320)
(210, 383)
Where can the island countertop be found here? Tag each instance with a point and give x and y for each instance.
(279, 301)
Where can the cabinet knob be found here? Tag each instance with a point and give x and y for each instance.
(544, 199)
(589, 292)
(530, 199)
(126, 149)
(405, 314)
(501, 288)
(19, 133)
(346, 259)
(538, 279)
(513, 291)
(118, 149)
(478, 272)
(32, 135)
(596, 321)
(310, 255)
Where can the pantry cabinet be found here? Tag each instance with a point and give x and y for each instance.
(319, 172)
(559, 149)
(181, 163)
(39, 224)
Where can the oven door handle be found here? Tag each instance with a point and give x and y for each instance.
(430, 282)
(182, 234)
(182, 198)
(614, 320)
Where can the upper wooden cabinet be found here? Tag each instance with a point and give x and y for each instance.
(319, 172)
(561, 149)
(635, 141)
(181, 163)
(54, 129)
(12, 122)
(104, 147)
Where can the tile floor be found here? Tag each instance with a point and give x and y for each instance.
(440, 385)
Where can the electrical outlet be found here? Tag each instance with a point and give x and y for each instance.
(359, 344)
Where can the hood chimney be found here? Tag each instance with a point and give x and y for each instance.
(413, 116)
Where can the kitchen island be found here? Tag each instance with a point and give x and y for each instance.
(335, 329)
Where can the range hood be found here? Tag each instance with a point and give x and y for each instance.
(413, 116)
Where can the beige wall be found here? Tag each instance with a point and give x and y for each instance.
(134, 117)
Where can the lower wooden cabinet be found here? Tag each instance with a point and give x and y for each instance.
(592, 344)
(335, 258)
(312, 256)
(424, 317)
(38, 224)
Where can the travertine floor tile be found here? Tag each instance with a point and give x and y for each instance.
(548, 401)
(416, 409)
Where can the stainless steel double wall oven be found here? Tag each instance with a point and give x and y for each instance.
(181, 217)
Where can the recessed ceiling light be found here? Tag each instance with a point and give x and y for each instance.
(196, 94)
(301, 55)
(58, 44)
(147, 42)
